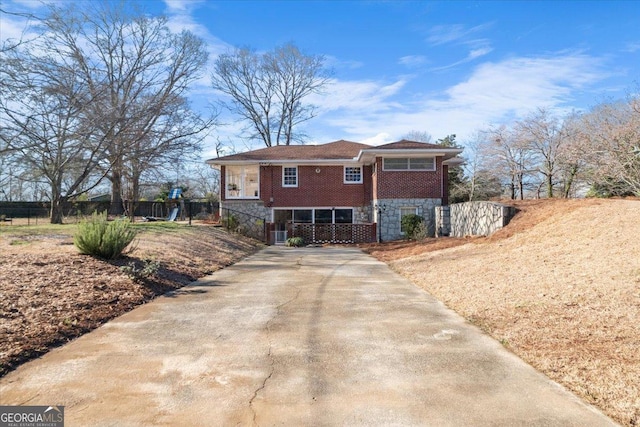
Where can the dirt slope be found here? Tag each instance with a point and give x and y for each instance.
(49, 294)
(560, 287)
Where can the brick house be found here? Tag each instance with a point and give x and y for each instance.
(340, 191)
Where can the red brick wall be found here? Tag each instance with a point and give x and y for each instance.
(409, 184)
(325, 188)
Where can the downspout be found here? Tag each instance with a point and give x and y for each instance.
(445, 185)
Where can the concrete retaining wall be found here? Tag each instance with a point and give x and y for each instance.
(472, 218)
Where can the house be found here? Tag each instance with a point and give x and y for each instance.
(339, 191)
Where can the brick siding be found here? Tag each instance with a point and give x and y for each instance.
(327, 187)
(409, 184)
(323, 188)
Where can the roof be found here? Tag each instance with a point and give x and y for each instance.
(333, 151)
(406, 144)
(336, 150)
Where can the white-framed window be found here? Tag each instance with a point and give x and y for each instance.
(290, 176)
(243, 182)
(353, 175)
(314, 215)
(404, 211)
(409, 163)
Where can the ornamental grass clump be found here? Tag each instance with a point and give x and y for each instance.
(100, 238)
(294, 242)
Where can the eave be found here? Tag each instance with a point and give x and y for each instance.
(369, 155)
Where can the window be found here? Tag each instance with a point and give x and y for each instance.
(409, 163)
(324, 216)
(242, 182)
(303, 215)
(396, 164)
(290, 176)
(353, 175)
(317, 216)
(404, 211)
(344, 216)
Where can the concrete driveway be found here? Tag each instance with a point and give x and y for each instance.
(294, 337)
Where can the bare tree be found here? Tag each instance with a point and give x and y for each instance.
(612, 133)
(43, 112)
(10, 44)
(546, 136)
(573, 159)
(482, 179)
(268, 90)
(511, 156)
(419, 136)
(138, 74)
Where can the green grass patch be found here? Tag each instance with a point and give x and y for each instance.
(39, 230)
(18, 242)
(160, 227)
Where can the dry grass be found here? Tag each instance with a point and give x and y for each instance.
(560, 287)
(49, 294)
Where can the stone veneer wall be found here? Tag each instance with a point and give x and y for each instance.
(388, 217)
(253, 208)
(472, 218)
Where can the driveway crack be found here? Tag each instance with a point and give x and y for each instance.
(269, 356)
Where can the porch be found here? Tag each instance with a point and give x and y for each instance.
(325, 233)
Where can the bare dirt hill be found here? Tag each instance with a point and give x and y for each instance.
(560, 287)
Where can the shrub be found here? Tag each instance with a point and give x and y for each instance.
(421, 232)
(410, 225)
(230, 222)
(149, 268)
(295, 242)
(98, 237)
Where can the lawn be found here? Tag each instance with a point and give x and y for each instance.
(560, 287)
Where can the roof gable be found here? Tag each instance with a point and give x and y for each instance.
(406, 144)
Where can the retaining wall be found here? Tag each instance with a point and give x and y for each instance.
(472, 218)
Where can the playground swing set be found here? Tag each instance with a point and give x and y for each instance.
(175, 205)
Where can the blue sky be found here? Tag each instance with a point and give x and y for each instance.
(440, 67)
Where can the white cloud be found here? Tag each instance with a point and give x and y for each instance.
(333, 62)
(473, 54)
(494, 92)
(442, 34)
(632, 47)
(379, 139)
(356, 95)
(477, 53)
(174, 6)
(413, 60)
(180, 17)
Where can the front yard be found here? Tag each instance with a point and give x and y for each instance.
(49, 294)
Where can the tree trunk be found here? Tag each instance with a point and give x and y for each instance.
(549, 186)
(521, 186)
(569, 183)
(132, 203)
(116, 207)
(55, 212)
